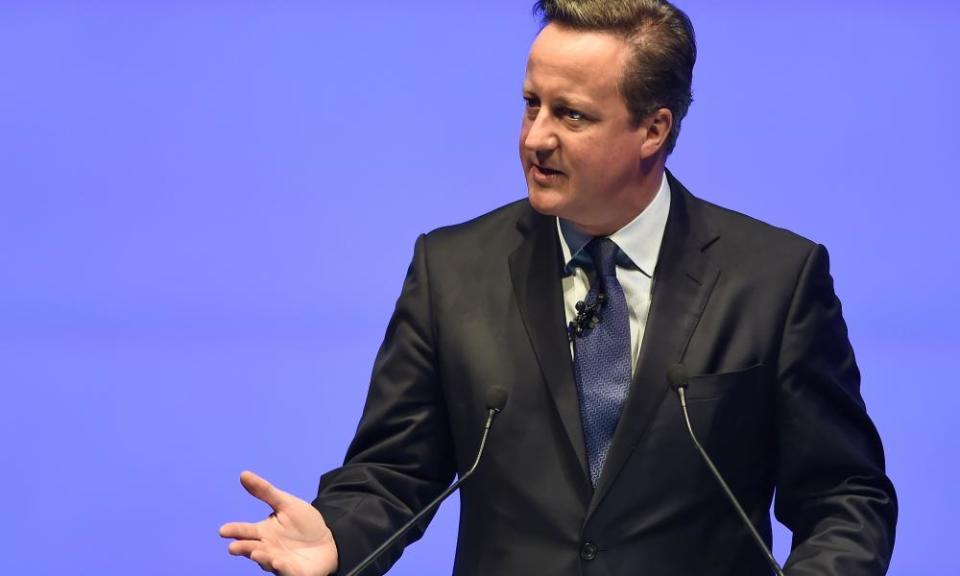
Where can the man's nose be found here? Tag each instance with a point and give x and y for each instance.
(541, 136)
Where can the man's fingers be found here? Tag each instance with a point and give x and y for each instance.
(243, 547)
(240, 531)
(262, 490)
(264, 559)
(267, 561)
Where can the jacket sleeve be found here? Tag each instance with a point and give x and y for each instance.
(401, 456)
(832, 490)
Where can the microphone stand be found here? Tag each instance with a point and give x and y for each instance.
(677, 375)
(491, 414)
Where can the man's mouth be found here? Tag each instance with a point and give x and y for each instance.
(544, 176)
(546, 171)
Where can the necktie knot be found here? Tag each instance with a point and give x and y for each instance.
(604, 251)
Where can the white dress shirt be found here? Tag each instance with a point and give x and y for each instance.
(640, 240)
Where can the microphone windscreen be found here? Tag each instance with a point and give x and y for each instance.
(677, 376)
(496, 398)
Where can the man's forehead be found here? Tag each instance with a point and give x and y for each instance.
(579, 56)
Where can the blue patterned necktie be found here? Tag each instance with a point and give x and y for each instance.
(602, 354)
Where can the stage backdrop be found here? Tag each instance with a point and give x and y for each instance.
(187, 187)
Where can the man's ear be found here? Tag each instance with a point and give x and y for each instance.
(657, 126)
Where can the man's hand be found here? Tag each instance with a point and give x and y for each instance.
(293, 541)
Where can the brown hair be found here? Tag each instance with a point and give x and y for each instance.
(659, 73)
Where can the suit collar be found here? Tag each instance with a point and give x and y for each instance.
(536, 271)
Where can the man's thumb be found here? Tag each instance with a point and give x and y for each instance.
(262, 490)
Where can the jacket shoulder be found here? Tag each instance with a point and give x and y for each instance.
(493, 222)
(491, 235)
(742, 237)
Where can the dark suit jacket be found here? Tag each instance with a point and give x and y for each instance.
(774, 397)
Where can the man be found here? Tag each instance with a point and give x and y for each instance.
(590, 469)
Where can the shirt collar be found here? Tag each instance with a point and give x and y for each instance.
(639, 240)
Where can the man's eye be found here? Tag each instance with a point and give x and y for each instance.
(574, 114)
(531, 102)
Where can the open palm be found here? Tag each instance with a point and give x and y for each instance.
(293, 541)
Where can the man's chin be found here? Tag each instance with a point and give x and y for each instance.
(545, 200)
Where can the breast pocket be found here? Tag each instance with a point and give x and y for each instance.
(732, 415)
(710, 386)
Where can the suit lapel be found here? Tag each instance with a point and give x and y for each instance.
(682, 283)
(535, 267)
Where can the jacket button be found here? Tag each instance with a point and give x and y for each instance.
(588, 551)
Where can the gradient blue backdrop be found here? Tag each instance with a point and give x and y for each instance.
(178, 179)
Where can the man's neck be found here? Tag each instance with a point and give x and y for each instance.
(631, 205)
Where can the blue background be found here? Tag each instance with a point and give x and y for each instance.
(185, 188)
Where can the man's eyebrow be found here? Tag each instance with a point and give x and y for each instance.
(572, 102)
(562, 101)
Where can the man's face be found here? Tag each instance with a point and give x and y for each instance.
(579, 149)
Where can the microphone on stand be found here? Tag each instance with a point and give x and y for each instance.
(496, 400)
(679, 380)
